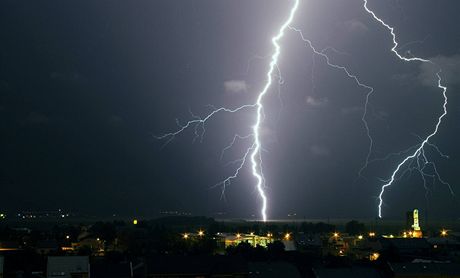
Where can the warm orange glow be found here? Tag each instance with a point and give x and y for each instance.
(443, 232)
(238, 235)
(371, 234)
(287, 236)
(374, 256)
(336, 234)
(201, 233)
(185, 236)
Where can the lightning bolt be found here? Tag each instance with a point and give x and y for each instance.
(358, 82)
(419, 153)
(253, 153)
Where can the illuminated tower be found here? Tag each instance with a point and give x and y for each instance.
(416, 232)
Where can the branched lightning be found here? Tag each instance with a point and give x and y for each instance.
(354, 77)
(415, 156)
(418, 157)
(253, 153)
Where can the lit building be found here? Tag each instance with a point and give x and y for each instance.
(253, 239)
(413, 224)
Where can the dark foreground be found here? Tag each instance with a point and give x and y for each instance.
(203, 247)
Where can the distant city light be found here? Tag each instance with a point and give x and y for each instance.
(360, 237)
(135, 221)
(201, 233)
(185, 236)
(371, 234)
(374, 256)
(287, 236)
(443, 232)
(336, 234)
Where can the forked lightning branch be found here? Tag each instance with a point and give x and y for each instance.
(252, 157)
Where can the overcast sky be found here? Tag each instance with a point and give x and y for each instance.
(85, 86)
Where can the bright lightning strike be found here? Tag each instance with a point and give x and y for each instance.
(419, 153)
(254, 151)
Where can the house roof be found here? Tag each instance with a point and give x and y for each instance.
(344, 272)
(198, 265)
(111, 270)
(47, 244)
(67, 264)
(443, 241)
(273, 270)
(406, 243)
(421, 269)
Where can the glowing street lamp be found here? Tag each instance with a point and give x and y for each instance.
(185, 236)
(201, 233)
(287, 236)
(443, 232)
(374, 256)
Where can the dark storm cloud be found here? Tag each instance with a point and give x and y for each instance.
(84, 85)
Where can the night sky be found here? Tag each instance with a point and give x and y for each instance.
(85, 86)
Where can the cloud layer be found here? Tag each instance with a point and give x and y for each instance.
(235, 86)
